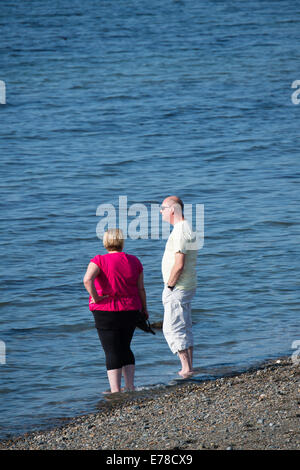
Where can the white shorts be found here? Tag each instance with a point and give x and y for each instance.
(177, 324)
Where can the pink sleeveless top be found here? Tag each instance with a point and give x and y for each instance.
(118, 277)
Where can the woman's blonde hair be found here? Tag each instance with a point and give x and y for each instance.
(113, 239)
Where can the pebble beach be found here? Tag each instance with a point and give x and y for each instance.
(255, 410)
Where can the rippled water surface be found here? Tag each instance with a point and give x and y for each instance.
(144, 100)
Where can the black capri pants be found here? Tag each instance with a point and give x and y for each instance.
(115, 331)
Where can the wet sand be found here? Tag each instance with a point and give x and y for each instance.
(258, 409)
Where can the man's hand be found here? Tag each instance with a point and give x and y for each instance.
(176, 269)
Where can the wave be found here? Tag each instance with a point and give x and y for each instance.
(48, 329)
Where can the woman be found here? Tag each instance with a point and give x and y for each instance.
(116, 286)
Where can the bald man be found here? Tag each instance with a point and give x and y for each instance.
(179, 275)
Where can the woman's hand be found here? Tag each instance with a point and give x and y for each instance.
(97, 300)
(145, 312)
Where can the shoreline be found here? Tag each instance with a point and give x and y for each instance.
(254, 410)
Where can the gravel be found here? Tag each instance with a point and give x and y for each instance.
(256, 410)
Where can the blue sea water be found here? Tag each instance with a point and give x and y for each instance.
(144, 99)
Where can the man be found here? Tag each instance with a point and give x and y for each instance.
(179, 275)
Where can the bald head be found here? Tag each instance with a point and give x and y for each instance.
(172, 200)
(172, 209)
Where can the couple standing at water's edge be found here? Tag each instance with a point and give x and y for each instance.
(115, 283)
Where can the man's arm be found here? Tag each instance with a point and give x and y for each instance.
(176, 269)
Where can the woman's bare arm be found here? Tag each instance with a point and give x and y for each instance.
(92, 271)
(142, 293)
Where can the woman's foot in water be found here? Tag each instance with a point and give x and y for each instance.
(185, 374)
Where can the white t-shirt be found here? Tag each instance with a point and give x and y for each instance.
(179, 240)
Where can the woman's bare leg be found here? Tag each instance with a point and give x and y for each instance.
(128, 373)
(114, 377)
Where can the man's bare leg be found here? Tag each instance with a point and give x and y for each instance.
(190, 353)
(186, 366)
